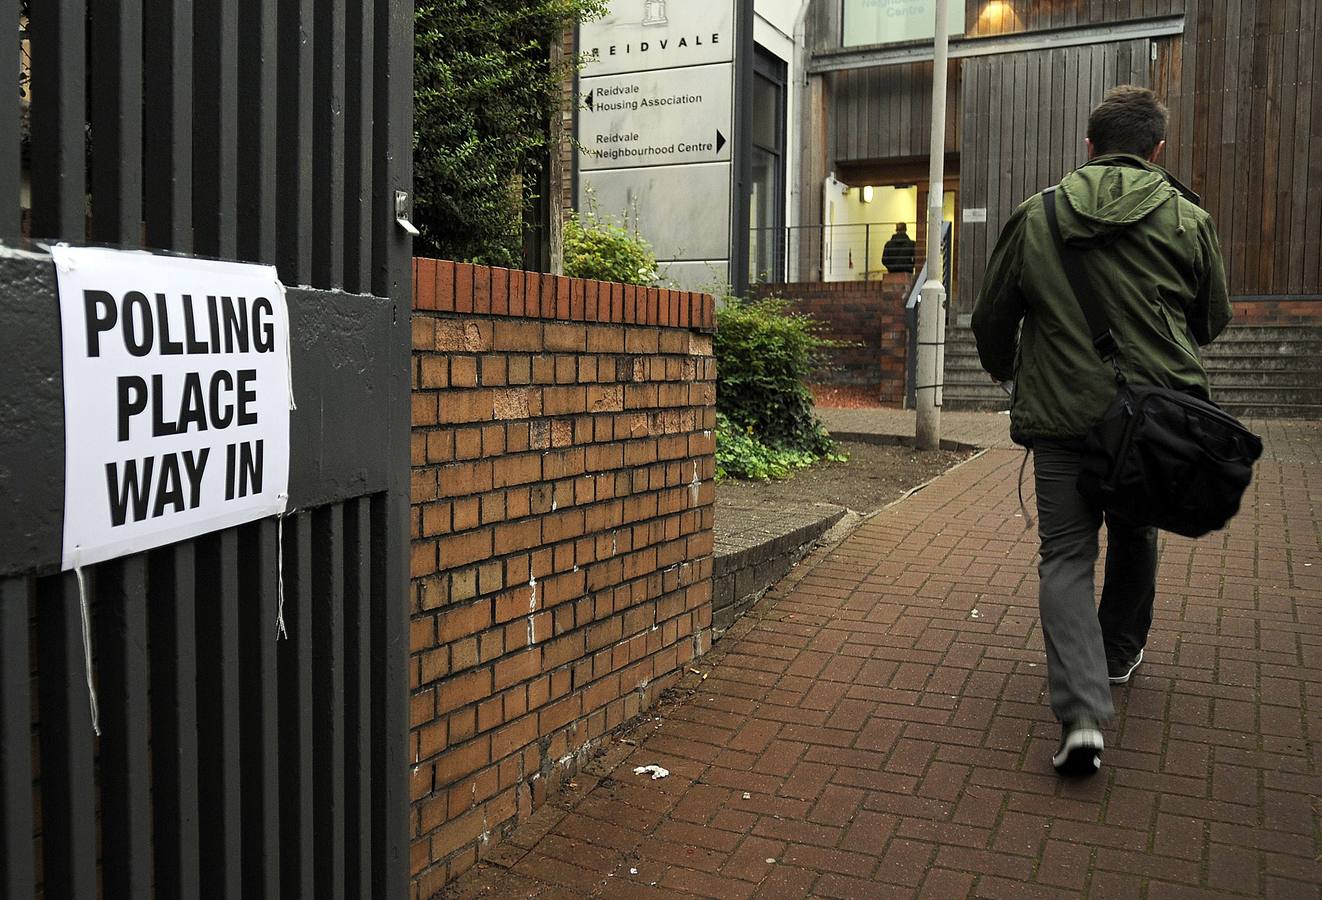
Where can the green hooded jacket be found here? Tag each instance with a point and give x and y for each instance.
(1152, 256)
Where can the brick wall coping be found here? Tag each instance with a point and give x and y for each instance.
(443, 286)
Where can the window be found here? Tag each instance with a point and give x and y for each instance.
(893, 21)
(766, 247)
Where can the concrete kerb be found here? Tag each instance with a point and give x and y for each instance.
(897, 440)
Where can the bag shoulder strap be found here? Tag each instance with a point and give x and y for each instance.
(1071, 258)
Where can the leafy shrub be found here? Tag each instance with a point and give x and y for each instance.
(739, 454)
(485, 92)
(601, 248)
(764, 356)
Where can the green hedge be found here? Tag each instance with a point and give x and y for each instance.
(484, 96)
(601, 248)
(765, 354)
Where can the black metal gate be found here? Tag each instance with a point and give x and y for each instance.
(230, 763)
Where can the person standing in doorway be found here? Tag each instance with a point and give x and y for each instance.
(1153, 254)
(898, 255)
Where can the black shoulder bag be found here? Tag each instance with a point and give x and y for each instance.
(1159, 456)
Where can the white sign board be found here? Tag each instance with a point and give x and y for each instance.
(177, 391)
(894, 21)
(975, 214)
(646, 35)
(655, 128)
(656, 118)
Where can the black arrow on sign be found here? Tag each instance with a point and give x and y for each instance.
(720, 141)
(587, 101)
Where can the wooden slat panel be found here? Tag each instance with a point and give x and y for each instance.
(1308, 146)
(358, 698)
(168, 98)
(68, 767)
(58, 112)
(17, 866)
(258, 78)
(219, 764)
(116, 35)
(328, 145)
(392, 250)
(328, 699)
(294, 156)
(971, 179)
(359, 61)
(297, 763)
(384, 651)
(1313, 228)
(1226, 115)
(215, 128)
(172, 593)
(259, 684)
(10, 162)
(125, 763)
(1272, 138)
(1281, 188)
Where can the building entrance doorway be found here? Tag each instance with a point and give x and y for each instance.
(865, 206)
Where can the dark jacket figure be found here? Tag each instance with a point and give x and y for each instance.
(1155, 260)
(897, 255)
(1151, 256)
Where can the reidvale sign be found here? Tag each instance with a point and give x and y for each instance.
(177, 392)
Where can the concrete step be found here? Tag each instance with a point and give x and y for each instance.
(1287, 332)
(1304, 364)
(1283, 378)
(1276, 410)
(1255, 349)
(1245, 393)
(1255, 370)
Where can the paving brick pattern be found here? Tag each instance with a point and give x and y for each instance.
(877, 728)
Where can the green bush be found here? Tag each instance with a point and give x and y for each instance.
(764, 356)
(739, 454)
(600, 248)
(485, 93)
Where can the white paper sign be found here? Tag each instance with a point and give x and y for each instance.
(975, 214)
(177, 391)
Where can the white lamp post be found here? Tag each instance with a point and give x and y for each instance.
(932, 308)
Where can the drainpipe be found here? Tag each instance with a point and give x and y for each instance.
(932, 309)
(800, 113)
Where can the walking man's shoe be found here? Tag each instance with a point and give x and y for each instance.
(1080, 750)
(1120, 672)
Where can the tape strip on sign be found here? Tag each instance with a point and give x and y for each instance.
(177, 392)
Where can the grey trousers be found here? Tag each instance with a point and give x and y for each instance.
(1080, 635)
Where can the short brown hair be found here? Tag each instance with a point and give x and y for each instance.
(1130, 119)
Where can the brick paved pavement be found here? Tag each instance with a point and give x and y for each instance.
(876, 728)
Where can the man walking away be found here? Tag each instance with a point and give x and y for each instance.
(1153, 256)
(897, 255)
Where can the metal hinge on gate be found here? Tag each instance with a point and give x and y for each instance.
(402, 212)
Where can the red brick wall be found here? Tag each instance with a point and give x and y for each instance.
(869, 316)
(562, 534)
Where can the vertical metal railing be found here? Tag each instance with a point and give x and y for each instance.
(817, 253)
(229, 763)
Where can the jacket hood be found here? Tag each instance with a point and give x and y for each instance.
(1111, 193)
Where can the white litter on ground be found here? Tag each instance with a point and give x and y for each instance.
(655, 771)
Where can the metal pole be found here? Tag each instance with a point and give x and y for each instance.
(931, 310)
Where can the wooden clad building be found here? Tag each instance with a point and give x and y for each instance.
(1242, 78)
